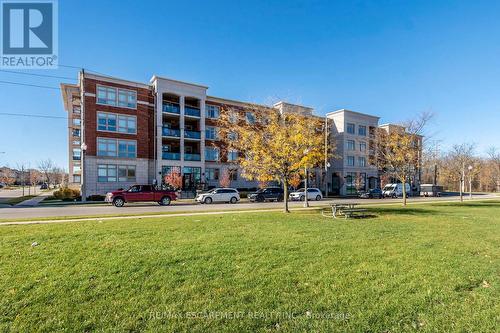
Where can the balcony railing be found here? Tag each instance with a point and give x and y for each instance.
(192, 134)
(191, 111)
(171, 108)
(171, 132)
(171, 156)
(192, 157)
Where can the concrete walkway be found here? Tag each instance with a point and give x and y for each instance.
(33, 202)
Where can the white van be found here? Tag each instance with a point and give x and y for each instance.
(395, 190)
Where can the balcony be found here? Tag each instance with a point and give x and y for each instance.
(171, 108)
(196, 135)
(192, 157)
(171, 132)
(171, 156)
(191, 111)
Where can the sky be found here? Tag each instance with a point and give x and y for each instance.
(394, 59)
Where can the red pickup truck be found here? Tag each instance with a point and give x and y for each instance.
(140, 193)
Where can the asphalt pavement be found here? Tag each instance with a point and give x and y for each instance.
(146, 208)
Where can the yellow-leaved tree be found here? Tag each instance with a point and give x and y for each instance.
(272, 146)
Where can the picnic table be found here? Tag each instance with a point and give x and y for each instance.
(345, 209)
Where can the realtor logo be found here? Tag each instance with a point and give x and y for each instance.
(29, 34)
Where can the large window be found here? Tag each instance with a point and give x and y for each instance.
(77, 178)
(212, 111)
(250, 117)
(212, 174)
(126, 173)
(106, 173)
(211, 133)
(233, 174)
(351, 145)
(350, 160)
(112, 122)
(362, 146)
(351, 128)
(77, 154)
(77, 121)
(232, 155)
(127, 98)
(77, 168)
(75, 132)
(362, 130)
(116, 97)
(211, 154)
(361, 161)
(116, 148)
(350, 180)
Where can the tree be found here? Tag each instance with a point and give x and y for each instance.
(46, 167)
(494, 165)
(399, 147)
(273, 146)
(174, 179)
(225, 178)
(456, 162)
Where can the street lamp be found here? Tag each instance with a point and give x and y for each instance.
(82, 178)
(470, 180)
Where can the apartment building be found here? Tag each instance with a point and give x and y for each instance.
(123, 132)
(353, 134)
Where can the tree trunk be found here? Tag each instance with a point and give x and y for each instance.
(285, 194)
(404, 192)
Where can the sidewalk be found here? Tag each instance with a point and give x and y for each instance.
(34, 201)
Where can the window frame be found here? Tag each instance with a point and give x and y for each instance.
(364, 130)
(349, 158)
(117, 147)
(351, 147)
(347, 126)
(209, 108)
(117, 92)
(215, 131)
(217, 154)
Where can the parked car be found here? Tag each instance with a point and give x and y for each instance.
(430, 190)
(395, 190)
(230, 195)
(44, 186)
(141, 193)
(268, 193)
(372, 193)
(2, 185)
(312, 194)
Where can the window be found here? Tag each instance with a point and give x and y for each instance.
(350, 183)
(212, 174)
(362, 130)
(126, 173)
(350, 160)
(211, 154)
(113, 96)
(351, 145)
(212, 111)
(233, 117)
(77, 154)
(127, 98)
(77, 110)
(77, 168)
(350, 128)
(106, 173)
(106, 147)
(232, 155)
(127, 148)
(77, 178)
(232, 136)
(250, 117)
(116, 148)
(362, 146)
(361, 161)
(112, 123)
(211, 133)
(233, 175)
(75, 132)
(77, 121)
(76, 143)
(106, 95)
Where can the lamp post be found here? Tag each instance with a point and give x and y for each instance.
(82, 178)
(470, 180)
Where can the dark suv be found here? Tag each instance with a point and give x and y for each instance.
(268, 193)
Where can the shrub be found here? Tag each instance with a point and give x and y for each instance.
(66, 193)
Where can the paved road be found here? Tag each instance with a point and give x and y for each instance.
(101, 210)
(5, 195)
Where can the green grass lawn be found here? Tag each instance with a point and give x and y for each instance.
(429, 268)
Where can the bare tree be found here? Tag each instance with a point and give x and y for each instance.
(494, 161)
(456, 162)
(46, 167)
